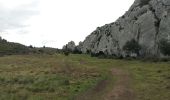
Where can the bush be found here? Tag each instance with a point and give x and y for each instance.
(77, 51)
(155, 59)
(150, 59)
(165, 59)
(40, 51)
(66, 53)
(100, 54)
(88, 51)
(164, 47)
(132, 47)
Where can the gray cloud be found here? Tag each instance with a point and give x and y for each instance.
(15, 18)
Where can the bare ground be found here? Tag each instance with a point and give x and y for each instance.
(121, 90)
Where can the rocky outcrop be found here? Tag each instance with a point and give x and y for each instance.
(147, 21)
(70, 46)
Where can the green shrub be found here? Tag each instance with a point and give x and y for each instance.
(165, 59)
(164, 47)
(132, 46)
(66, 53)
(77, 51)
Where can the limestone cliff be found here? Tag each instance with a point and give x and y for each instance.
(147, 21)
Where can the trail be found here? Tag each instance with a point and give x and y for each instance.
(121, 89)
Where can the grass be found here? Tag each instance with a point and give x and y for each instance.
(42, 77)
(58, 77)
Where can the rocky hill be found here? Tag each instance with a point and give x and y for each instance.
(147, 22)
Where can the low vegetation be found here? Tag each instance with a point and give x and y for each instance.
(59, 77)
(165, 47)
(11, 48)
(45, 77)
(131, 47)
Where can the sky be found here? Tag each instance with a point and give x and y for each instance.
(54, 23)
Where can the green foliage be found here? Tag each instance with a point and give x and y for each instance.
(66, 50)
(132, 46)
(77, 51)
(11, 48)
(100, 54)
(164, 47)
(88, 51)
(46, 50)
(7, 48)
(66, 53)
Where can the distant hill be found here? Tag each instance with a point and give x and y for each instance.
(44, 50)
(11, 48)
(8, 48)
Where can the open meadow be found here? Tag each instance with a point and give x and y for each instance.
(81, 77)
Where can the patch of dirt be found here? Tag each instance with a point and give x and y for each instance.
(121, 90)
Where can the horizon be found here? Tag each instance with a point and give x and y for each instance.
(55, 23)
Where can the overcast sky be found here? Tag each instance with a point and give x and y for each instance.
(53, 23)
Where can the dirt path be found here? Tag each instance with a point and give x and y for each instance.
(120, 91)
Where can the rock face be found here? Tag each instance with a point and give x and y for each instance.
(147, 21)
(70, 46)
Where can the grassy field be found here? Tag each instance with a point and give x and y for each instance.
(59, 77)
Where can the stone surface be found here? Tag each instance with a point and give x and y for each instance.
(147, 21)
(70, 46)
